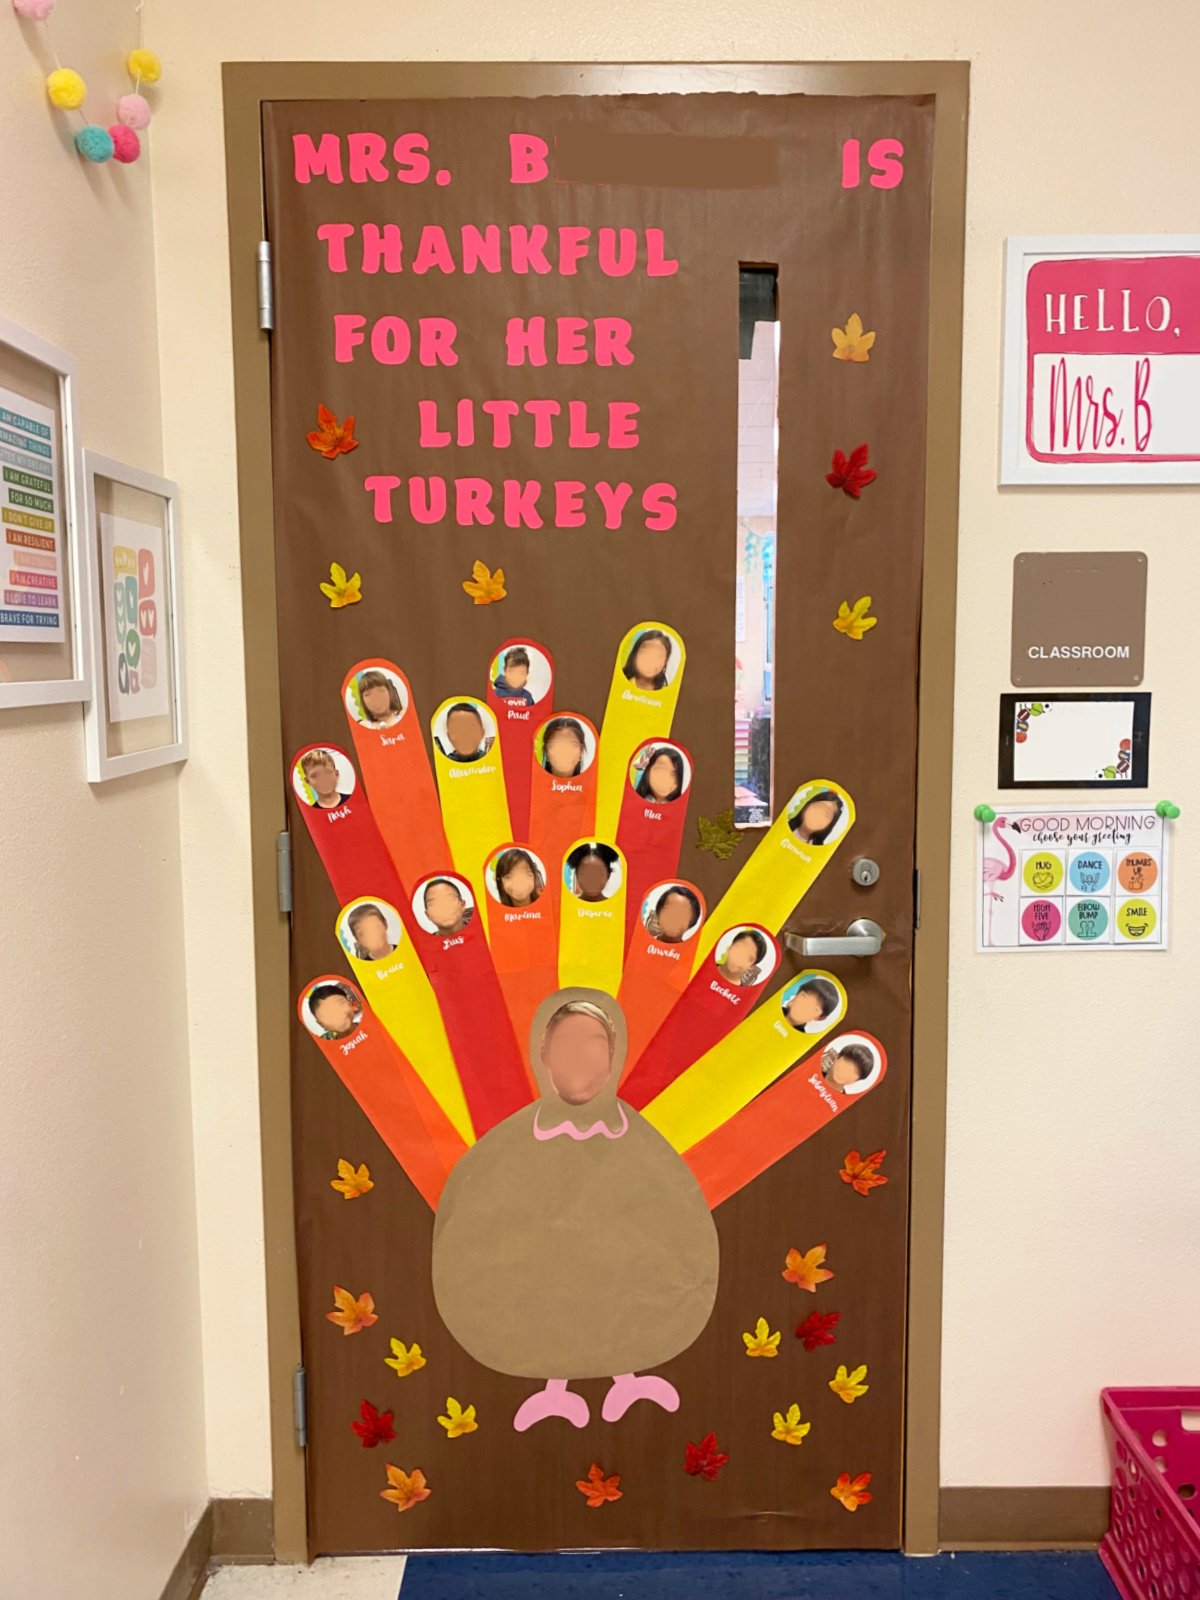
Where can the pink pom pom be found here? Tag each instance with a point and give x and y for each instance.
(134, 111)
(33, 10)
(126, 144)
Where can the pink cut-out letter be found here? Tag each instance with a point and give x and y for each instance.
(527, 158)
(382, 487)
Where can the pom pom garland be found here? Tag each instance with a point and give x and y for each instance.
(66, 89)
(144, 66)
(134, 111)
(33, 10)
(126, 145)
(93, 143)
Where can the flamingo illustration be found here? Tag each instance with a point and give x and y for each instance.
(997, 871)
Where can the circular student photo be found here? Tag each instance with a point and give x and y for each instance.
(592, 872)
(660, 773)
(565, 746)
(745, 957)
(443, 906)
(672, 912)
(652, 657)
(331, 1009)
(323, 777)
(376, 698)
(515, 877)
(817, 815)
(521, 673)
(464, 730)
(811, 1005)
(850, 1064)
(370, 930)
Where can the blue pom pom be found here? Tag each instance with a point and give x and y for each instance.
(94, 143)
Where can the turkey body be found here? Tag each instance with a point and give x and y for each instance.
(571, 1257)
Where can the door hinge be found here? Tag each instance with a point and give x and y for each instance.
(283, 870)
(916, 897)
(300, 1406)
(266, 288)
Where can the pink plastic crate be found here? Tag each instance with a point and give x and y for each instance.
(1152, 1548)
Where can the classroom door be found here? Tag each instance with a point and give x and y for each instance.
(599, 453)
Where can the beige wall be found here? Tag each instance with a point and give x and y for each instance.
(1071, 1085)
(102, 1471)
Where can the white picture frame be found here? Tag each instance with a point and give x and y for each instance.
(101, 765)
(77, 686)
(1019, 465)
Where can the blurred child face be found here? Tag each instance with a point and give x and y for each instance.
(592, 877)
(335, 1014)
(377, 701)
(324, 779)
(517, 676)
(842, 1072)
(740, 957)
(564, 753)
(444, 907)
(803, 1007)
(577, 1053)
(464, 729)
(674, 918)
(816, 817)
(660, 775)
(373, 936)
(519, 883)
(651, 659)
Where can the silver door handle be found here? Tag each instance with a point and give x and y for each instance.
(862, 938)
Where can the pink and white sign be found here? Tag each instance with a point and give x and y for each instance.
(1102, 361)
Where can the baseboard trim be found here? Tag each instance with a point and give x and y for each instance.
(243, 1529)
(1056, 1518)
(187, 1577)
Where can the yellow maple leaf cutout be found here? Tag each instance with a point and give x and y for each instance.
(718, 834)
(352, 1315)
(341, 590)
(351, 1182)
(851, 343)
(854, 621)
(405, 1489)
(761, 1342)
(485, 587)
(849, 1386)
(459, 1421)
(789, 1429)
(404, 1361)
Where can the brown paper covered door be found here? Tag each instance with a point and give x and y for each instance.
(566, 1240)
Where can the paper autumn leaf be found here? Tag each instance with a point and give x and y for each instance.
(485, 587)
(853, 621)
(331, 438)
(404, 1361)
(352, 1315)
(350, 1181)
(789, 1429)
(405, 1489)
(862, 1172)
(851, 343)
(598, 1488)
(375, 1426)
(806, 1270)
(851, 474)
(718, 834)
(849, 1386)
(818, 1329)
(761, 1342)
(459, 1421)
(704, 1460)
(340, 590)
(852, 1492)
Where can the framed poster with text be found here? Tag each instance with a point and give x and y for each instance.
(1101, 360)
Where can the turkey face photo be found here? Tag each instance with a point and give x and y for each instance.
(577, 1052)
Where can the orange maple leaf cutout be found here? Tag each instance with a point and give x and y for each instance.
(852, 1492)
(485, 586)
(862, 1172)
(597, 1488)
(805, 1270)
(352, 1314)
(405, 1489)
(330, 437)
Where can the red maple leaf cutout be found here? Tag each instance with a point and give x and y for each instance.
(704, 1460)
(862, 1172)
(375, 1427)
(852, 475)
(818, 1329)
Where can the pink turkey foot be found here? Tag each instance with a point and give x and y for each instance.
(555, 1400)
(627, 1390)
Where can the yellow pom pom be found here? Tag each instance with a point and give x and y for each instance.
(144, 64)
(66, 89)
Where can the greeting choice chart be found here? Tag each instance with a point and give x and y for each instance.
(1088, 879)
(31, 514)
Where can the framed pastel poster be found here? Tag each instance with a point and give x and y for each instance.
(1074, 741)
(138, 715)
(1102, 360)
(44, 654)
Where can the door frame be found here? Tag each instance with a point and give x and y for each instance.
(247, 86)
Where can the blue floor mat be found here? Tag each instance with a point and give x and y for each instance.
(635, 1575)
